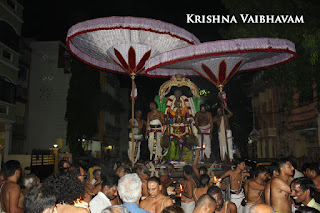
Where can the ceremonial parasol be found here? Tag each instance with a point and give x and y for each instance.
(124, 44)
(218, 61)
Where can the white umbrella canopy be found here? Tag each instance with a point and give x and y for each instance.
(124, 44)
(218, 61)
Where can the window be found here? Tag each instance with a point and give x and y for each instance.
(3, 109)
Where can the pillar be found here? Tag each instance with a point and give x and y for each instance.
(8, 139)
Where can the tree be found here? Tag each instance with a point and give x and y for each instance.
(303, 71)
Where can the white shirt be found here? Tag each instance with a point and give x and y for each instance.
(99, 202)
(297, 174)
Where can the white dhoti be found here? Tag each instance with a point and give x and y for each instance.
(155, 134)
(204, 139)
(137, 142)
(236, 198)
(225, 135)
(188, 207)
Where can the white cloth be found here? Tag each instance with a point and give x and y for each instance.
(137, 141)
(93, 181)
(297, 174)
(99, 202)
(135, 123)
(188, 207)
(237, 199)
(223, 144)
(155, 134)
(205, 134)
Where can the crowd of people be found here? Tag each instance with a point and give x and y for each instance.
(115, 187)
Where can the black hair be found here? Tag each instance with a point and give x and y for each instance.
(154, 179)
(38, 199)
(204, 180)
(127, 169)
(282, 162)
(109, 181)
(203, 168)
(305, 184)
(306, 209)
(173, 209)
(187, 169)
(96, 170)
(214, 190)
(144, 170)
(10, 167)
(314, 167)
(238, 161)
(154, 103)
(259, 170)
(304, 167)
(273, 168)
(60, 165)
(66, 187)
(202, 105)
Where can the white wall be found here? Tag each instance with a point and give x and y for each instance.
(48, 89)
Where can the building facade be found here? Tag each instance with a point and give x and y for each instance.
(283, 132)
(11, 12)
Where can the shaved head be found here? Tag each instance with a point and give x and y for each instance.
(258, 208)
(206, 203)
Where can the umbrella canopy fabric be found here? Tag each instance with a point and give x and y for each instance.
(124, 44)
(218, 61)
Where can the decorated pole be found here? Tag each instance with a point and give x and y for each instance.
(132, 76)
(220, 87)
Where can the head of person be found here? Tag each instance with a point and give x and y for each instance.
(206, 204)
(302, 190)
(258, 208)
(240, 163)
(138, 113)
(63, 166)
(66, 187)
(109, 186)
(173, 209)
(306, 209)
(285, 167)
(216, 193)
(312, 170)
(30, 180)
(78, 171)
(304, 169)
(154, 187)
(115, 209)
(261, 173)
(219, 111)
(187, 171)
(203, 170)
(204, 180)
(3, 178)
(163, 175)
(170, 167)
(153, 105)
(39, 200)
(123, 170)
(97, 174)
(203, 108)
(143, 172)
(129, 188)
(12, 168)
(274, 171)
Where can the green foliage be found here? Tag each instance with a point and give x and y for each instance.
(301, 72)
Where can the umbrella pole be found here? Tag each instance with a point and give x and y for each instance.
(132, 119)
(225, 131)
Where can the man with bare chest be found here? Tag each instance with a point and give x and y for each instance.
(225, 134)
(256, 186)
(280, 187)
(236, 178)
(204, 124)
(222, 206)
(136, 128)
(156, 202)
(10, 191)
(155, 119)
